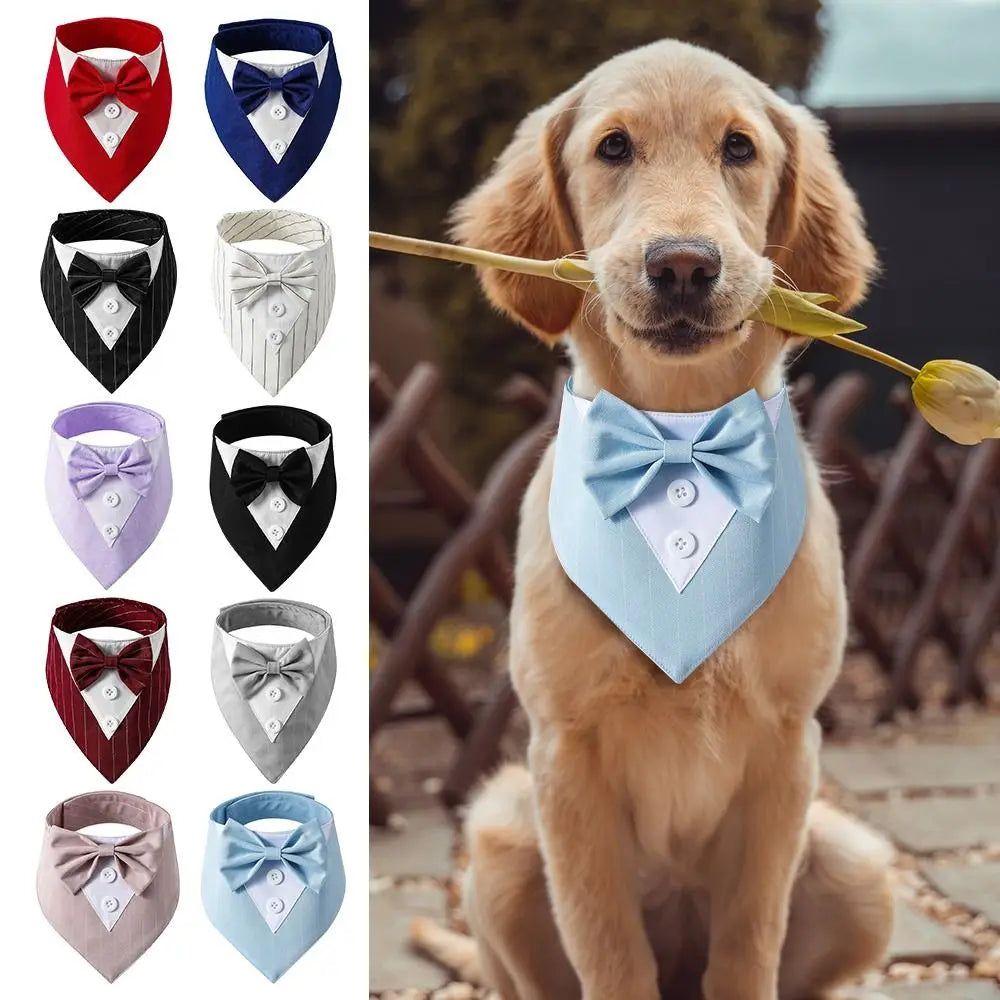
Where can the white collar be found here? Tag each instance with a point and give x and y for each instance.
(109, 67)
(228, 64)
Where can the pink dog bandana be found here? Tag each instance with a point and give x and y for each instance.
(109, 897)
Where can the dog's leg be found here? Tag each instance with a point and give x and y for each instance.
(841, 909)
(589, 849)
(753, 862)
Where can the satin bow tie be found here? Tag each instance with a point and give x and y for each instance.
(76, 857)
(251, 474)
(250, 279)
(252, 87)
(303, 853)
(86, 277)
(134, 663)
(624, 452)
(251, 668)
(87, 469)
(132, 86)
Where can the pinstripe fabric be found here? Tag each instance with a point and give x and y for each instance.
(145, 916)
(111, 366)
(112, 757)
(248, 326)
(234, 913)
(273, 758)
(613, 564)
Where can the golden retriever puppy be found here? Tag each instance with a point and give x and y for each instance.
(666, 842)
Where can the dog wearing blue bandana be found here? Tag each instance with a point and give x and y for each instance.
(679, 612)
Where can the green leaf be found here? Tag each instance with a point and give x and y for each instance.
(803, 313)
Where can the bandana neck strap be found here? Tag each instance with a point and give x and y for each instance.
(109, 723)
(244, 145)
(108, 152)
(93, 808)
(273, 936)
(275, 723)
(125, 417)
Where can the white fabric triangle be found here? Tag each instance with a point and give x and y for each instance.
(107, 891)
(108, 698)
(272, 510)
(113, 504)
(275, 128)
(111, 119)
(109, 326)
(675, 514)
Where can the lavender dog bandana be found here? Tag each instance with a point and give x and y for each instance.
(109, 500)
(273, 696)
(110, 897)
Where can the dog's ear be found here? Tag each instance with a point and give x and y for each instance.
(817, 230)
(522, 208)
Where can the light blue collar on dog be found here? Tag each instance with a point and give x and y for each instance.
(273, 895)
(678, 526)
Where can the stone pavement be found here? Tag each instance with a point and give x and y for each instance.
(935, 791)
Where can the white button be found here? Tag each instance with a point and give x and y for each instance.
(112, 499)
(110, 724)
(111, 306)
(277, 147)
(110, 531)
(276, 531)
(110, 333)
(274, 693)
(273, 726)
(110, 904)
(682, 492)
(279, 111)
(278, 504)
(276, 876)
(110, 140)
(275, 905)
(276, 337)
(682, 543)
(110, 692)
(109, 875)
(277, 309)
(112, 111)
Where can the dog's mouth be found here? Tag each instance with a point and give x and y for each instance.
(683, 335)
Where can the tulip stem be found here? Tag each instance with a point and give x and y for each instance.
(872, 354)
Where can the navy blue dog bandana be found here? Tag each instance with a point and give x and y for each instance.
(273, 119)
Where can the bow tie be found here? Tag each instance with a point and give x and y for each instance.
(250, 279)
(76, 857)
(251, 668)
(252, 87)
(303, 853)
(86, 277)
(132, 86)
(251, 474)
(134, 663)
(87, 469)
(624, 452)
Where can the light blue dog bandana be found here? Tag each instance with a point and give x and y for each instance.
(678, 526)
(272, 895)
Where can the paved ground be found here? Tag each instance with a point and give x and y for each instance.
(933, 788)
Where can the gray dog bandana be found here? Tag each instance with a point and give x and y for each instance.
(273, 696)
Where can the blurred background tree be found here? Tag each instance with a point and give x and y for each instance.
(449, 81)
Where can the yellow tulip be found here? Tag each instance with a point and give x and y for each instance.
(960, 400)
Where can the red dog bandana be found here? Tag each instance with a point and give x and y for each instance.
(109, 116)
(109, 693)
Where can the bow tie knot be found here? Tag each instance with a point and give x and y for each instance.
(252, 87)
(625, 451)
(251, 668)
(132, 85)
(133, 662)
(87, 470)
(86, 278)
(250, 278)
(251, 475)
(76, 857)
(303, 853)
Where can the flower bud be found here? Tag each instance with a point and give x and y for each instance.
(960, 400)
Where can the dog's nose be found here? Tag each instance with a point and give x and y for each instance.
(683, 270)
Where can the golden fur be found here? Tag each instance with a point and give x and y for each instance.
(666, 830)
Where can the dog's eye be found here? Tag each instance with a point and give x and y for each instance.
(615, 148)
(738, 148)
